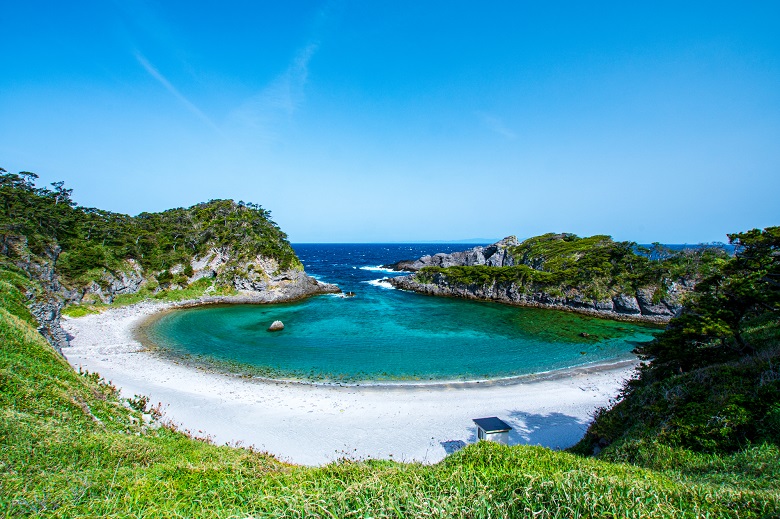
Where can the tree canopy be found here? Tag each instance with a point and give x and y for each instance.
(89, 238)
(711, 328)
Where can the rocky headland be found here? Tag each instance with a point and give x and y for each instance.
(256, 282)
(546, 272)
(494, 255)
(57, 254)
(627, 307)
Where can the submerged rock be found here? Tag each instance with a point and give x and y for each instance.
(276, 326)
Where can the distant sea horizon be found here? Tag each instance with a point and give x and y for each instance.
(486, 241)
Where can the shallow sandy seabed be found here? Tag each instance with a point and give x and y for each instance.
(316, 424)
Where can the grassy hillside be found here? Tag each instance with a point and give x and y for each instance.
(69, 447)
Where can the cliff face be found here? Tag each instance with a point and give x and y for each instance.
(47, 298)
(257, 282)
(588, 275)
(634, 307)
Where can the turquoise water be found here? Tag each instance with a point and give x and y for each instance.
(386, 334)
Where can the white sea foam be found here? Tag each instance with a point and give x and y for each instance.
(381, 283)
(378, 268)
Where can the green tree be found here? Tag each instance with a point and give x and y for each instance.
(711, 329)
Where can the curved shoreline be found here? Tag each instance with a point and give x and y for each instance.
(315, 423)
(226, 368)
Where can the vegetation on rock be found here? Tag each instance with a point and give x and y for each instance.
(596, 267)
(711, 380)
(87, 242)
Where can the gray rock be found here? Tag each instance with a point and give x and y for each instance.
(111, 284)
(579, 301)
(494, 255)
(644, 297)
(48, 316)
(621, 307)
(626, 304)
(276, 326)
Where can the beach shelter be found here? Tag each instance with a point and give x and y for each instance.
(492, 429)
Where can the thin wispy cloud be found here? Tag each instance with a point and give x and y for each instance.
(496, 125)
(173, 90)
(285, 94)
(286, 91)
(282, 97)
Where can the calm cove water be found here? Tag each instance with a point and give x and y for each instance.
(384, 334)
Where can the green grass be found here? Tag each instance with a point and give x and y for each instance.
(70, 448)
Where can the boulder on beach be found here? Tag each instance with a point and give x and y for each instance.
(276, 326)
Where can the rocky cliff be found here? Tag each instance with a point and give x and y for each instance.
(494, 255)
(72, 254)
(638, 306)
(593, 275)
(258, 282)
(47, 296)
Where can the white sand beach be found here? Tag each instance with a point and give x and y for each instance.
(316, 424)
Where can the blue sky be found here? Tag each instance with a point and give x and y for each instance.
(406, 121)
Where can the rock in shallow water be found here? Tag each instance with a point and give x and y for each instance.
(276, 326)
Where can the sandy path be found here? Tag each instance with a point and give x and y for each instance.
(313, 425)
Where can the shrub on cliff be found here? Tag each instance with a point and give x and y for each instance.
(742, 294)
(711, 382)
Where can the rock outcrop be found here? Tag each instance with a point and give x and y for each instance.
(260, 281)
(276, 326)
(47, 299)
(114, 283)
(637, 305)
(494, 255)
(629, 307)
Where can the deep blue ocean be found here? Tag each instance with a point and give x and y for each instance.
(383, 334)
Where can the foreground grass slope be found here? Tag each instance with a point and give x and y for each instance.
(70, 447)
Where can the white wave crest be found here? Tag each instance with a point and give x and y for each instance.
(378, 268)
(381, 283)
